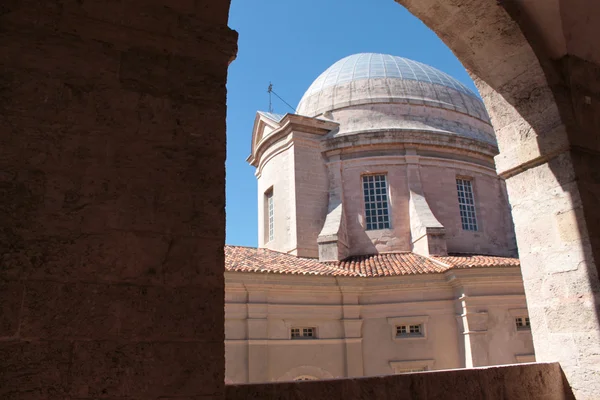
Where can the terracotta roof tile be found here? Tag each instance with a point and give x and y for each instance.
(390, 264)
(475, 261)
(248, 259)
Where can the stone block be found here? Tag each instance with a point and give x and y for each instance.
(34, 370)
(55, 311)
(147, 370)
(11, 301)
(534, 381)
(66, 57)
(172, 313)
(183, 78)
(117, 257)
(189, 261)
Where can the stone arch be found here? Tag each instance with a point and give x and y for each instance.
(161, 67)
(505, 69)
(305, 371)
(536, 97)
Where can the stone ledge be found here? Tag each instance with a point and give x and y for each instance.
(518, 381)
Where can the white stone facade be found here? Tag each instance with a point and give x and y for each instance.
(467, 317)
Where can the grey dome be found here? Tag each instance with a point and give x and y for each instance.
(380, 78)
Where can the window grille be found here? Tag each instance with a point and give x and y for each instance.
(409, 330)
(303, 333)
(376, 202)
(466, 204)
(271, 214)
(522, 323)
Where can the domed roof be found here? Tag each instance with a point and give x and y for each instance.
(382, 78)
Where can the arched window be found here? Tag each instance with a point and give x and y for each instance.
(305, 378)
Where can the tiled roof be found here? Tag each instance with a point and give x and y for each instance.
(474, 261)
(248, 259)
(390, 264)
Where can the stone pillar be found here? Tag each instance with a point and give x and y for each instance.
(352, 335)
(333, 238)
(473, 328)
(112, 151)
(550, 161)
(428, 235)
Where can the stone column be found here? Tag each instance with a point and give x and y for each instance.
(551, 164)
(352, 334)
(473, 328)
(333, 238)
(112, 151)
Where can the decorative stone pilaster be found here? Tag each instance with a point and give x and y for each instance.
(473, 327)
(258, 364)
(353, 335)
(333, 238)
(427, 233)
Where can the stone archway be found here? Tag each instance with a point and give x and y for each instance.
(112, 121)
(538, 108)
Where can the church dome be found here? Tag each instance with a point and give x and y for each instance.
(370, 78)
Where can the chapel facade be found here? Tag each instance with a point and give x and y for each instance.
(386, 242)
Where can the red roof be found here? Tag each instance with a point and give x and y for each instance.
(474, 261)
(249, 259)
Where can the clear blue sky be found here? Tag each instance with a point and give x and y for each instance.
(290, 44)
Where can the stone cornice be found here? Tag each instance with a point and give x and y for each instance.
(289, 123)
(366, 140)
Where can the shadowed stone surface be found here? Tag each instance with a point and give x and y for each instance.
(527, 381)
(112, 151)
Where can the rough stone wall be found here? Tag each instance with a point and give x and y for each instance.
(530, 381)
(112, 149)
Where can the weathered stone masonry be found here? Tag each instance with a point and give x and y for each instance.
(112, 122)
(112, 127)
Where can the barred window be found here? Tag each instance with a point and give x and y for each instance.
(270, 213)
(522, 323)
(409, 330)
(303, 333)
(466, 204)
(376, 202)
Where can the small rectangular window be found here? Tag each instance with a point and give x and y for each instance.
(375, 193)
(409, 370)
(409, 330)
(522, 323)
(466, 204)
(303, 333)
(270, 214)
